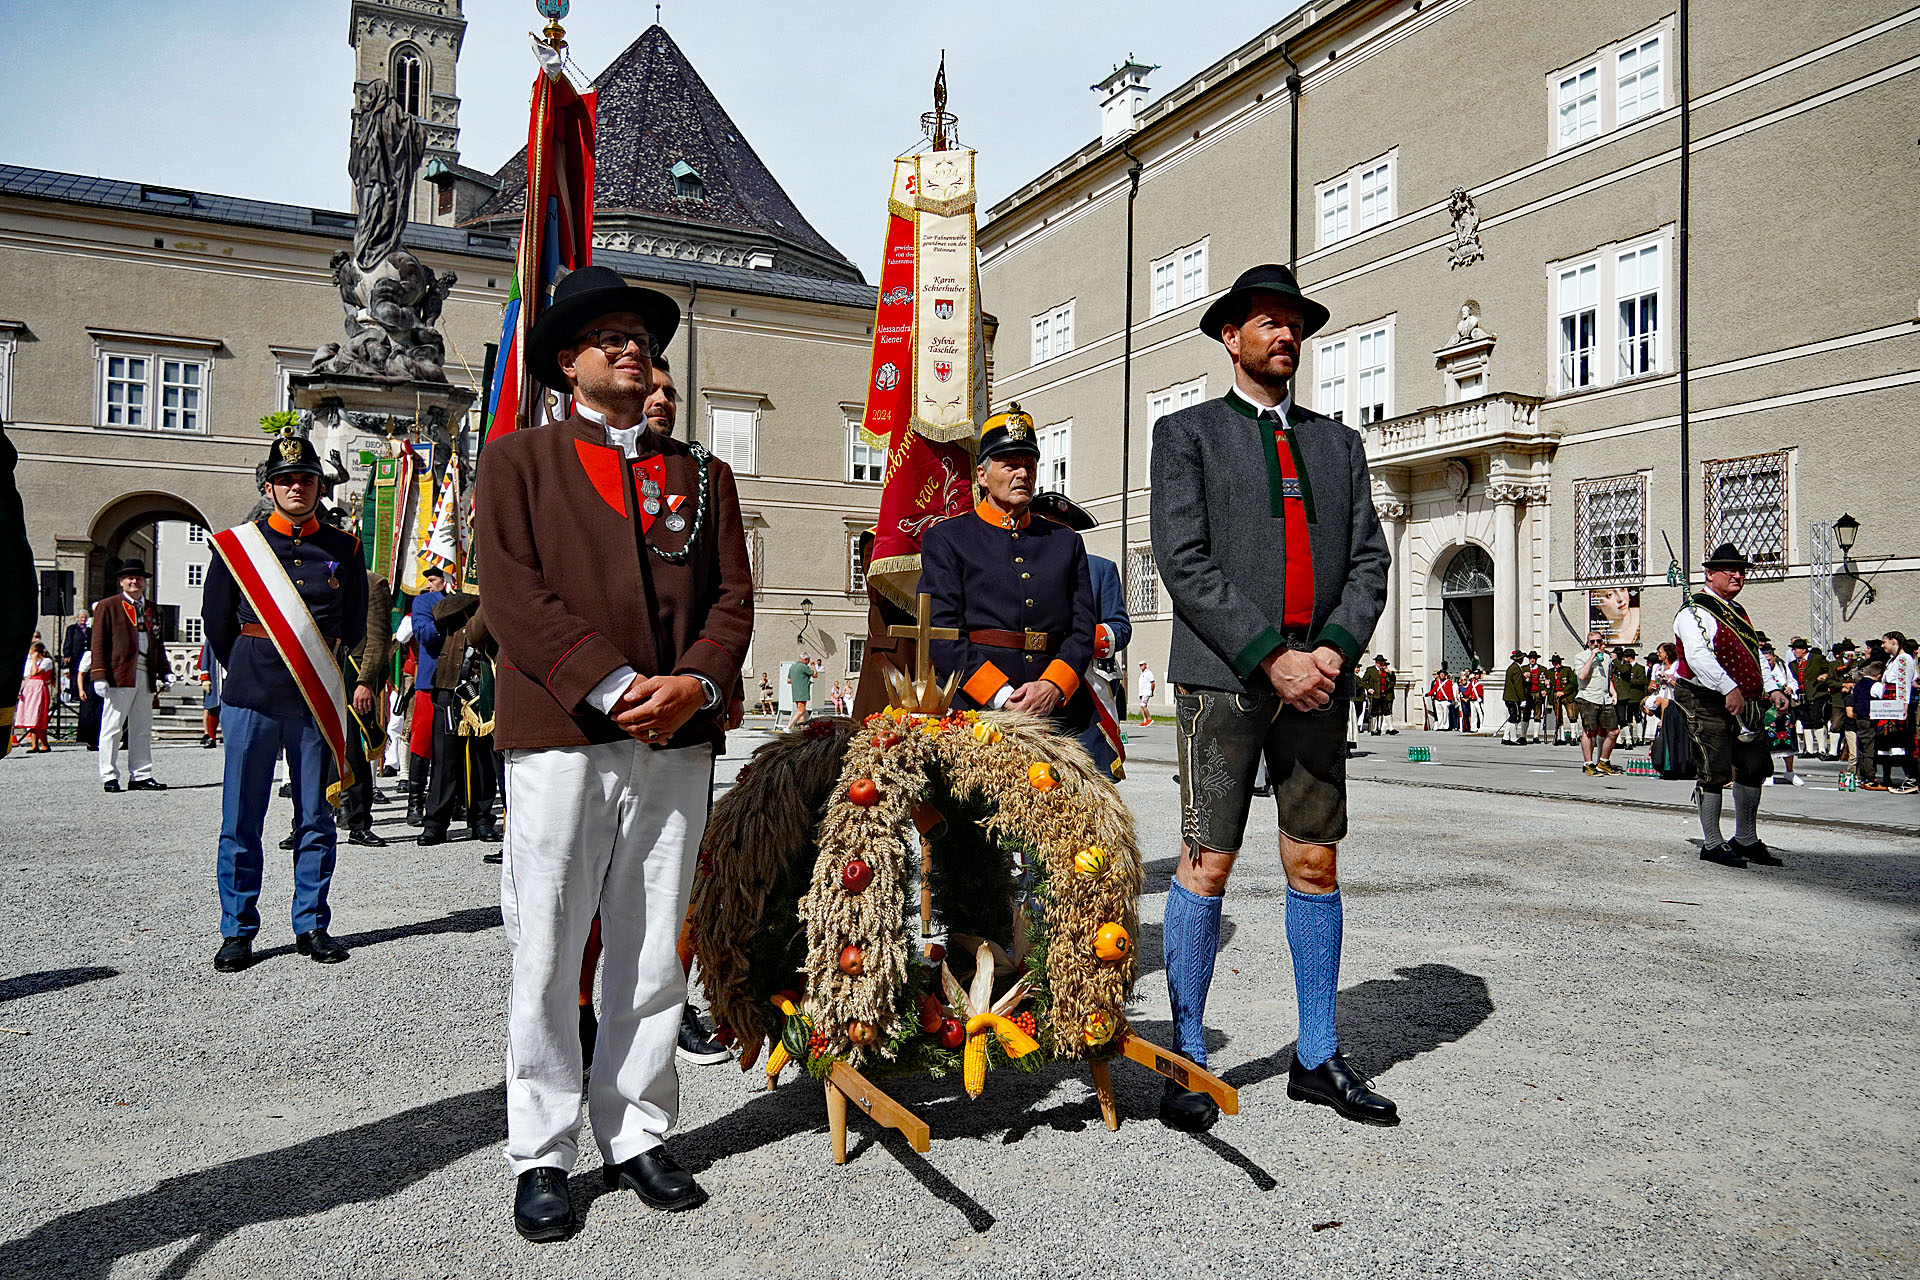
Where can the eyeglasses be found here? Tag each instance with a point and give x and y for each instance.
(614, 342)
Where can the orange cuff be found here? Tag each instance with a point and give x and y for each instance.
(985, 682)
(1063, 677)
(1102, 640)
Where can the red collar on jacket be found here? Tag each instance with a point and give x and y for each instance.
(281, 525)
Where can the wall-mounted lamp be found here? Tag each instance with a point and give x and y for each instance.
(1846, 531)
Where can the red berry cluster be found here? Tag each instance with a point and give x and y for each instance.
(817, 1045)
(1024, 1021)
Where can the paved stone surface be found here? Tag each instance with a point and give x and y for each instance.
(1613, 1060)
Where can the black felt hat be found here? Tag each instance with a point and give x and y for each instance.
(1727, 556)
(1231, 306)
(1061, 509)
(135, 567)
(583, 295)
(291, 455)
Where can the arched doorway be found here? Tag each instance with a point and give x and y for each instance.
(1466, 610)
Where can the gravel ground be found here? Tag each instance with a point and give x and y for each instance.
(1612, 1060)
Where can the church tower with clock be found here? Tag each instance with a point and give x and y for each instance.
(414, 47)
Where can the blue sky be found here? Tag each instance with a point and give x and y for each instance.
(252, 98)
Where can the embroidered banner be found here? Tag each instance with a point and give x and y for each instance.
(944, 295)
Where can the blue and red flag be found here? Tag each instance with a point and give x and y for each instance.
(556, 237)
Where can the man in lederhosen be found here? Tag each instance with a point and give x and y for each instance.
(285, 601)
(618, 563)
(1018, 590)
(1265, 533)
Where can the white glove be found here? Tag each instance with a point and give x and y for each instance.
(100, 688)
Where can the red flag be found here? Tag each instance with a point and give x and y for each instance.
(556, 236)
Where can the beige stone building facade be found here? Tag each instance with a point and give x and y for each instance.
(1489, 195)
(145, 330)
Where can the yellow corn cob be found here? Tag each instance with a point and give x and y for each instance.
(775, 1061)
(975, 1074)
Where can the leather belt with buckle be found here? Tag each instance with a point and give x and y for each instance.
(1030, 641)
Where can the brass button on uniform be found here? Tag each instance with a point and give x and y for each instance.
(1026, 575)
(1029, 604)
(1016, 535)
(1019, 559)
(296, 564)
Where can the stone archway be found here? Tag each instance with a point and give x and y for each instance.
(113, 527)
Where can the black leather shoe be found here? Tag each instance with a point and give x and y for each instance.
(1723, 854)
(1335, 1084)
(657, 1180)
(388, 771)
(234, 955)
(288, 843)
(430, 834)
(542, 1210)
(146, 784)
(366, 836)
(110, 786)
(286, 791)
(484, 829)
(694, 1044)
(321, 945)
(494, 857)
(1187, 1110)
(380, 797)
(1756, 851)
(206, 743)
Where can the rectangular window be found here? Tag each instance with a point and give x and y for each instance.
(1331, 363)
(1637, 286)
(126, 391)
(1159, 405)
(1186, 395)
(1143, 582)
(443, 199)
(1056, 443)
(1579, 322)
(180, 395)
(196, 632)
(1193, 272)
(1178, 278)
(196, 533)
(1053, 333)
(1370, 376)
(196, 575)
(866, 461)
(1579, 106)
(1336, 210)
(732, 435)
(1638, 87)
(1376, 194)
(856, 653)
(1610, 524)
(856, 566)
(1747, 506)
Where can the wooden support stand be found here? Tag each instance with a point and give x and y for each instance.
(844, 1085)
(1188, 1075)
(1103, 1086)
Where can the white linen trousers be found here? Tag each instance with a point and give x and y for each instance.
(130, 709)
(613, 829)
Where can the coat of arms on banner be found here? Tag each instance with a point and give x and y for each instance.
(943, 369)
(888, 377)
(943, 307)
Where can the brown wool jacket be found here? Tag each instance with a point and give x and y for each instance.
(572, 596)
(116, 644)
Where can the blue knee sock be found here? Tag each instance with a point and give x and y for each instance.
(1313, 935)
(1189, 940)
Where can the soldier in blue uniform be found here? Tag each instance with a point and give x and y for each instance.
(1017, 589)
(263, 711)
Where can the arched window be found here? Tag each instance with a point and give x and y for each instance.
(1469, 573)
(409, 81)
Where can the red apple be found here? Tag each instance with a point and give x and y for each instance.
(852, 963)
(856, 876)
(953, 1033)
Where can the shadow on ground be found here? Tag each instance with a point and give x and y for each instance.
(470, 920)
(358, 1165)
(33, 984)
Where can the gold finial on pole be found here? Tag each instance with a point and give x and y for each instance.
(553, 11)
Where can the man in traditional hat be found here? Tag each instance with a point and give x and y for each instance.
(1721, 686)
(1019, 591)
(1513, 691)
(1814, 674)
(285, 601)
(1377, 685)
(622, 561)
(1538, 689)
(1563, 688)
(129, 668)
(1265, 534)
(1112, 632)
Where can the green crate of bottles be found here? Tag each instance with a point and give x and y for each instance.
(1420, 755)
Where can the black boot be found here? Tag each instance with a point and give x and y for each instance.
(416, 803)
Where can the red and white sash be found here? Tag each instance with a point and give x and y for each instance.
(263, 580)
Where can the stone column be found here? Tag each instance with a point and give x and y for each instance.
(1507, 584)
(1392, 512)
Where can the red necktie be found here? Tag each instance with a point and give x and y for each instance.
(1298, 611)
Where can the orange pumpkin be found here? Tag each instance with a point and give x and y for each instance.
(1111, 942)
(1042, 776)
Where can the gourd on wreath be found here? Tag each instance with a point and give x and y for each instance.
(803, 867)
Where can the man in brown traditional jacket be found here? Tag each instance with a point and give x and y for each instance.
(129, 667)
(615, 567)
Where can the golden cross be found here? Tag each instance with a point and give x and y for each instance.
(924, 632)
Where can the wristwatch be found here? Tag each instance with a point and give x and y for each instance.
(712, 690)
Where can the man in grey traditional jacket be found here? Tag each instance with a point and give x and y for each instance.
(1265, 534)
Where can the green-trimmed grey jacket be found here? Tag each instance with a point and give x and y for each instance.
(1219, 540)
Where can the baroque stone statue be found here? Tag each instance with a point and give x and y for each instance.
(391, 300)
(1466, 230)
(1469, 329)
